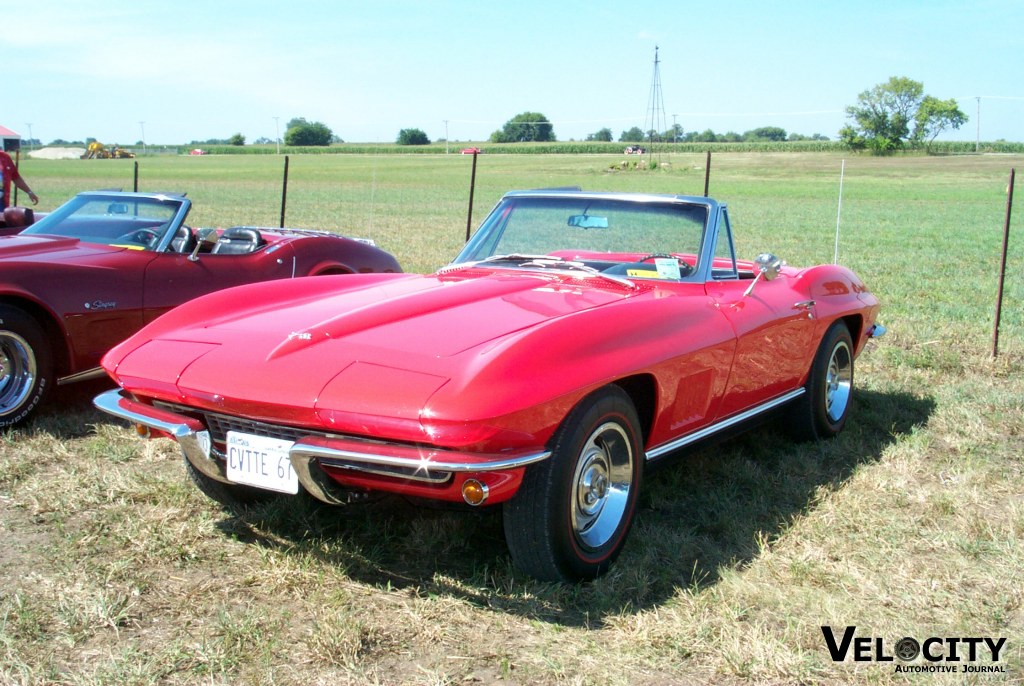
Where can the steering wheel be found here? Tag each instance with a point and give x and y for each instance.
(684, 267)
(147, 237)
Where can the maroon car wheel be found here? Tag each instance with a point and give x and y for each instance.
(26, 367)
(571, 516)
(822, 411)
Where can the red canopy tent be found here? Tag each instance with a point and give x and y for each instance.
(11, 139)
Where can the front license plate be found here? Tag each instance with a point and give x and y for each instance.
(261, 462)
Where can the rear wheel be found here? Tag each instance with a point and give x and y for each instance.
(822, 411)
(26, 366)
(233, 497)
(572, 513)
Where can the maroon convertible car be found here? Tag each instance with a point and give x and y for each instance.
(95, 270)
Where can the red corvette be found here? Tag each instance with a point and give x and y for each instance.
(96, 269)
(577, 338)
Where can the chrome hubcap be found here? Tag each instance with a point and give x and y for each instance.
(17, 371)
(603, 477)
(838, 382)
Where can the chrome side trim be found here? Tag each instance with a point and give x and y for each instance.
(87, 375)
(686, 440)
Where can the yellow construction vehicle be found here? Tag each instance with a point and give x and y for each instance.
(98, 151)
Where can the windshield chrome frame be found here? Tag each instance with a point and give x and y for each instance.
(705, 256)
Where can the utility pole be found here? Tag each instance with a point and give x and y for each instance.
(277, 133)
(445, 136)
(142, 125)
(29, 135)
(977, 140)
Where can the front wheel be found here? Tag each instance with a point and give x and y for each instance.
(572, 513)
(26, 366)
(821, 412)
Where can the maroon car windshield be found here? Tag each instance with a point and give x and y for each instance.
(133, 221)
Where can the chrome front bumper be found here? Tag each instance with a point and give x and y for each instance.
(308, 453)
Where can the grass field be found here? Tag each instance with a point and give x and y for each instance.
(115, 570)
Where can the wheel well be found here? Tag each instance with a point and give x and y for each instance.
(642, 390)
(53, 331)
(854, 323)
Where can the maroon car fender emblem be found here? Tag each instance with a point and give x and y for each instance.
(101, 305)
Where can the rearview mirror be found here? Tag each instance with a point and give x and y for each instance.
(586, 221)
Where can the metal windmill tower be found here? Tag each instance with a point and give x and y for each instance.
(655, 125)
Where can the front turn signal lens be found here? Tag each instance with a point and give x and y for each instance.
(474, 492)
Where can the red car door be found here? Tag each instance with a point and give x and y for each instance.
(775, 337)
(102, 304)
(774, 328)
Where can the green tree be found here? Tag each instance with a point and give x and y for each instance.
(602, 135)
(527, 126)
(935, 116)
(766, 133)
(412, 137)
(237, 139)
(634, 135)
(882, 117)
(302, 132)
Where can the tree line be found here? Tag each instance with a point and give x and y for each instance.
(886, 118)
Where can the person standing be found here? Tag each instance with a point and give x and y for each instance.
(8, 175)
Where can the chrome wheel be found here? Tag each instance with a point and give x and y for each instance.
(573, 511)
(18, 371)
(601, 484)
(838, 381)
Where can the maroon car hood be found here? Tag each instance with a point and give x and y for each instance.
(382, 348)
(49, 248)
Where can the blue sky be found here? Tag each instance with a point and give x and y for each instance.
(199, 69)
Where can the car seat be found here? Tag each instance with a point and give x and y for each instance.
(238, 240)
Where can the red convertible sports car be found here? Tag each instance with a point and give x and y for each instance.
(577, 338)
(96, 269)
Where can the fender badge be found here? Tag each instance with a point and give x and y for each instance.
(101, 305)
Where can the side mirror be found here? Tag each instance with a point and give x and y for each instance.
(205, 240)
(768, 267)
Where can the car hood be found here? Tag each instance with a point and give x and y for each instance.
(369, 351)
(48, 248)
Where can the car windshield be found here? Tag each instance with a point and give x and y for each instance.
(628, 238)
(137, 222)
